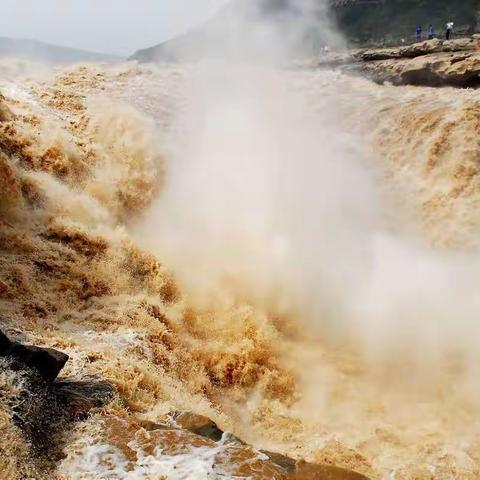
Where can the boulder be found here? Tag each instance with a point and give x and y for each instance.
(421, 48)
(300, 470)
(46, 362)
(460, 45)
(379, 54)
(311, 471)
(418, 49)
(198, 424)
(455, 69)
(79, 397)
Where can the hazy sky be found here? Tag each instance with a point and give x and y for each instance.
(111, 26)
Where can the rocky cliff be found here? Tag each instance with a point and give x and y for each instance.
(430, 63)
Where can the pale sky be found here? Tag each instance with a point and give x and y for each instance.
(110, 26)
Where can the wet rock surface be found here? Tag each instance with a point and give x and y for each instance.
(198, 424)
(81, 397)
(47, 362)
(45, 412)
(183, 439)
(44, 408)
(300, 470)
(288, 467)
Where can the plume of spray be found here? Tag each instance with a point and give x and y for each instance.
(256, 179)
(258, 30)
(271, 202)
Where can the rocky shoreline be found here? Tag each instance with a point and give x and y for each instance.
(46, 408)
(429, 63)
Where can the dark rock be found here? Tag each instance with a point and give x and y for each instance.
(152, 426)
(45, 409)
(379, 54)
(230, 439)
(46, 362)
(287, 463)
(198, 424)
(44, 412)
(300, 470)
(81, 397)
(311, 471)
(193, 423)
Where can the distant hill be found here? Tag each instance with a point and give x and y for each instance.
(361, 22)
(235, 26)
(44, 52)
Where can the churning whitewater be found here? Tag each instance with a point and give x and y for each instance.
(290, 253)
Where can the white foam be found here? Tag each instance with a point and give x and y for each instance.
(90, 460)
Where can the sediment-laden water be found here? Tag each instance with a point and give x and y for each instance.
(291, 253)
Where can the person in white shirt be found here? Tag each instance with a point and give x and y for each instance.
(449, 30)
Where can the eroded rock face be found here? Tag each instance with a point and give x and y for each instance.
(419, 49)
(410, 51)
(454, 69)
(430, 63)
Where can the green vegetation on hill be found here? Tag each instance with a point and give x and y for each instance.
(379, 21)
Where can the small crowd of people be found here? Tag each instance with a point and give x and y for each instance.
(431, 32)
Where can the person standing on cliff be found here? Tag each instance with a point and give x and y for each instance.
(449, 30)
(419, 33)
(431, 33)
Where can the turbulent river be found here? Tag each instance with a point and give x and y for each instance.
(291, 253)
